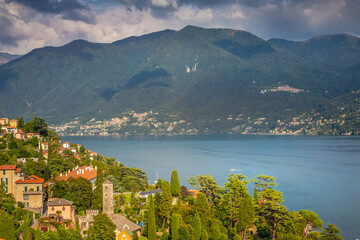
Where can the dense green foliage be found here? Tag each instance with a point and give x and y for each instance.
(151, 222)
(199, 74)
(102, 228)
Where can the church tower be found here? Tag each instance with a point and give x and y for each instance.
(108, 199)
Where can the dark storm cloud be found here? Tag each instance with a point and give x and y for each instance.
(68, 9)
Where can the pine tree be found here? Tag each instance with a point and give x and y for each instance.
(175, 224)
(165, 203)
(151, 220)
(204, 235)
(331, 233)
(175, 184)
(196, 225)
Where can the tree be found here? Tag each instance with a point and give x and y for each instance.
(208, 186)
(102, 228)
(241, 207)
(7, 229)
(175, 183)
(196, 225)
(20, 122)
(265, 181)
(331, 233)
(204, 235)
(165, 203)
(159, 183)
(312, 220)
(151, 220)
(203, 208)
(98, 194)
(272, 209)
(256, 194)
(175, 225)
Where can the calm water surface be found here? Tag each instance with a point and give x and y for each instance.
(316, 173)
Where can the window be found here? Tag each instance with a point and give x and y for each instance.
(4, 172)
(26, 197)
(63, 208)
(37, 188)
(52, 208)
(25, 189)
(4, 180)
(26, 204)
(84, 224)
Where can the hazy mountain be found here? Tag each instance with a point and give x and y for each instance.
(199, 73)
(6, 57)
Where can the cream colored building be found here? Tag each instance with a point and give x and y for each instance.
(30, 192)
(9, 175)
(4, 121)
(66, 209)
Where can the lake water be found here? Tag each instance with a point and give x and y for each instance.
(321, 174)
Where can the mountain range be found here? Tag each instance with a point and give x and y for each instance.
(196, 73)
(6, 57)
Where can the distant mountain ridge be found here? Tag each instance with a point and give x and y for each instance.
(200, 74)
(6, 57)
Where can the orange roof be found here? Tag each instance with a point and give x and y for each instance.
(85, 172)
(31, 179)
(7, 167)
(9, 127)
(66, 143)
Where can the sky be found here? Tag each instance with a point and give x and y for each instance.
(29, 24)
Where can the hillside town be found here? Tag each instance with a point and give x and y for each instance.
(51, 189)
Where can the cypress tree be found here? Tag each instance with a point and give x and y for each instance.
(203, 208)
(98, 194)
(196, 225)
(175, 184)
(165, 203)
(204, 235)
(7, 228)
(256, 196)
(175, 224)
(151, 220)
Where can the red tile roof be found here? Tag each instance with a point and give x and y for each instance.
(7, 167)
(30, 179)
(85, 172)
(10, 167)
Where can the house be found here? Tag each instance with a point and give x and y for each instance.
(85, 221)
(22, 160)
(87, 172)
(10, 129)
(66, 145)
(147, 193)
(46, 154)
(125, 235)
(4, 121)
(9, 175)
(44, 146)
(122, 223)
(58, 210)
(124, 227)
(20, 135)
(30, 192)
(14, 123)
(31, 135)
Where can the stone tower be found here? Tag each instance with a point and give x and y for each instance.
(108, 200)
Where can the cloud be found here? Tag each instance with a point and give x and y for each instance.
(68, 9)
(24, 27)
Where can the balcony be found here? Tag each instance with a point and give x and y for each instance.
(32, 192)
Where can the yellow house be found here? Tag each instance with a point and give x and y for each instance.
(14, 123)
(61, 209)
(125, 235)
(4, 121)
(30, 192)
(9, 175)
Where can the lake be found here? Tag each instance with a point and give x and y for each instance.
(318, 173)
